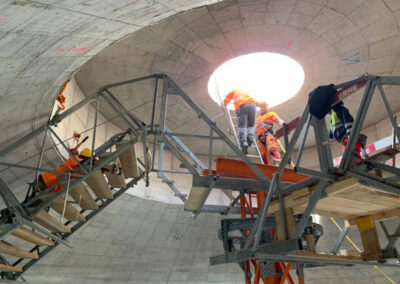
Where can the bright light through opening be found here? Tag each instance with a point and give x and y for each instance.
(269, 77)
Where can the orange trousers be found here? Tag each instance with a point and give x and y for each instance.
(269, 149)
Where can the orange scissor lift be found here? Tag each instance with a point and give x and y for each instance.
(252, 201)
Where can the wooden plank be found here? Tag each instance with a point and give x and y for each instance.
(99, 185)
(350, 206)
(369, 238)
(83, 198)
(116, 181)
(326, 213)
(310, 254)
(196, 197)
(299, 199)
(9, 268)
(14, 251)
(310, 241)
(370, 196)
(30, 236)
(49, 222)
(387, 214)
(290, 223)
(67, 210)
(129, 162)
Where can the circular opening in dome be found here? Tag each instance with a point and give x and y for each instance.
(270, 77)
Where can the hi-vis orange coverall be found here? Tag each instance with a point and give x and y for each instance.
(266, 141)
(50, 178)
(239, 98)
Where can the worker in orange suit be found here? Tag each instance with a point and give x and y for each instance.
(47, 179)
(245, 107)
(266, 141)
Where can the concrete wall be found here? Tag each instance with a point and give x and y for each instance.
(82, 121)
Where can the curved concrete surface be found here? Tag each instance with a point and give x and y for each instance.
(45, 42)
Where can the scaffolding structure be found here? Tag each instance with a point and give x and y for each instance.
(265, 239)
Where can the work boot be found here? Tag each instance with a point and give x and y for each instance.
(243, 139)
(250, 136)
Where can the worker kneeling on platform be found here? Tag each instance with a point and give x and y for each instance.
(245, 107)
(266, 141)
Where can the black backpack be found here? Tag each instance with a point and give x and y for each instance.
(320, 100)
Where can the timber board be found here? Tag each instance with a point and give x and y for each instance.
(346, 199)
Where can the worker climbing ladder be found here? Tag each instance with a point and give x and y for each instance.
(233, 126)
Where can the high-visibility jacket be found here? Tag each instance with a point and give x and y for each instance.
(51, 178)
(341, 122)
(265, 122)
(239, 98)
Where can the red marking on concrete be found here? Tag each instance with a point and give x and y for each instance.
(387, 6)
(289, 43)
(132, 4)
(72, 49)
(2, 19)
(80, 49)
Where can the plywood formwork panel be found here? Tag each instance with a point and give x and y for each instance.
(99, 185)
(83, 198)
(346, 199)
(67, 210)
(14, 251)
(196, 198)
(49, 222)
(30, 236)
(129, 162)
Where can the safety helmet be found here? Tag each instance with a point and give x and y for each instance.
(86, 153)
(263, 107)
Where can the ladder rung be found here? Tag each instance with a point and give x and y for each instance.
(253, 156)
(180, 195)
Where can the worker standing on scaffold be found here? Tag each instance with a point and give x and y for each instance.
(266, 141)
(245, 107)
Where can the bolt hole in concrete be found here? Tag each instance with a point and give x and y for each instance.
(271, 77)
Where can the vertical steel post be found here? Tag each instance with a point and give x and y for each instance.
(153, 111)
(358, 122)
(210, 153)
(302, 142)
(94, 133)
(164, 102)
(389, 111)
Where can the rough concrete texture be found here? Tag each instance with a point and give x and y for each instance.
(143, 241)
(82, 121)
(334, 41)
(43, 43)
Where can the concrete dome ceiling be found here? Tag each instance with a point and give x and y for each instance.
(334, 41)
(44, 42)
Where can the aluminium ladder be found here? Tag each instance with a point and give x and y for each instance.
(233, 128)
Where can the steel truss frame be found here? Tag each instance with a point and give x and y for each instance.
(21, 213)
(276, 188)
(165, 138)
(325, 176)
